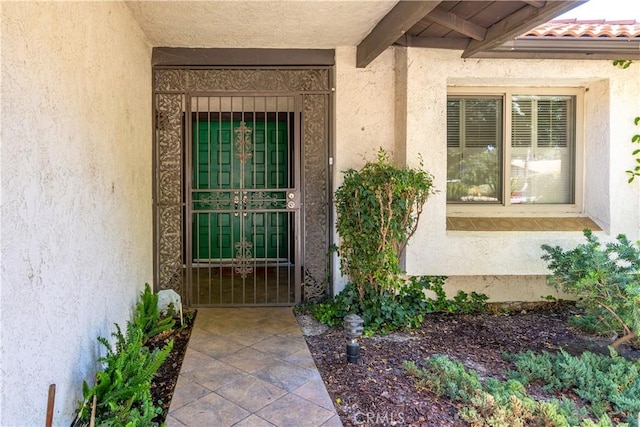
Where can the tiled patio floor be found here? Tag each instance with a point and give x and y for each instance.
(249, 367)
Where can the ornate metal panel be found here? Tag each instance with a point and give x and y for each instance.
(316, 189)
(230, 80)
(168, 158)
(173, 87)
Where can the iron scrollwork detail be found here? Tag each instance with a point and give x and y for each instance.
(172, 87)
(316, 203)
(243, 258)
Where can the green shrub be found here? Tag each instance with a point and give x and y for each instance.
(610, 384)
(494, 402)
(402, 309)
(378, 209)
(605, 279)
(147, 316)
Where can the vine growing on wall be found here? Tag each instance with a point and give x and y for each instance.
(633, 173)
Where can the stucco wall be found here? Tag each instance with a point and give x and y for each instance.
(76, 228)
(610, 109)
(497, 259)
(364, 112)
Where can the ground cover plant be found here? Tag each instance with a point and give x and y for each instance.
(385, 311)
(607, 385)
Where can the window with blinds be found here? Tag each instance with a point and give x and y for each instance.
(537, 147)
(474, 144)
(541, 121)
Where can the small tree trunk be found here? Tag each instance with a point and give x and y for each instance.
(623, 339)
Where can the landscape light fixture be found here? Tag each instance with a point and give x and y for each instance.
(353, 325)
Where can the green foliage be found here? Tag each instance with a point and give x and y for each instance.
(402, 309)
(610, 384)
(147, 316)
(633, 173)
(378, 208)
(123, 389)
(623, 63)
(493, 402)
(605, 278)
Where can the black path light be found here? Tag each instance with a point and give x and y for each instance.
(353, 325)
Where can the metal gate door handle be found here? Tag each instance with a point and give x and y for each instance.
(236, 202)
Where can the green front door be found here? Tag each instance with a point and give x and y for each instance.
(241, 173)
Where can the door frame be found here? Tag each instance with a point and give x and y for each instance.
(172, 86)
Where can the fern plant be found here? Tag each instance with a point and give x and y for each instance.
(123, 388)
(147, 315)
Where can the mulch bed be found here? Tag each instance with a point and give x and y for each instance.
(164, 382)
(376, 391)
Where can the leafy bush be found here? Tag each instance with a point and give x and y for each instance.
(493, 402)
(605, 279)
(123, 389)
(611, 384)
(378, 208)
(147, 316)
(403, 309)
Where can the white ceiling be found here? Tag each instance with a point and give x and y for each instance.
(258, 24)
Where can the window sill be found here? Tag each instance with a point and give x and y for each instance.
(520, 224)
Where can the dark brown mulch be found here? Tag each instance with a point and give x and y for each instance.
(164, 382)
(376, 391)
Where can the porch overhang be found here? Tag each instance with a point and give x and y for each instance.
(474, 27)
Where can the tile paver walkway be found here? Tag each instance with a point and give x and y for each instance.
(249, 367)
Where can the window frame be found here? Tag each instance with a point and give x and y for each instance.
(505, 208)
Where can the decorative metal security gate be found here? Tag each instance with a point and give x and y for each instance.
(241, 188)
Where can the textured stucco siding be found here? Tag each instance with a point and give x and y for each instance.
(495, 259)
(609, 112)
(76, 228)
(364, 114)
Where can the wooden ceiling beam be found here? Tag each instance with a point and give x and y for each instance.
(517, 23)
(434, 42)
(455, 23)
(391, 27)
(535, 3)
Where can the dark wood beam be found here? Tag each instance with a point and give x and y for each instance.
(435, 42)
(455, 23)
(519, 22)
(392, 26)
(182, 56)
(535, 3)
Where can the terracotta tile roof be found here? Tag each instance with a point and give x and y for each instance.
(574, 28)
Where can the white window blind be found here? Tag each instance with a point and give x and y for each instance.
(540, 121)
(538, 154)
